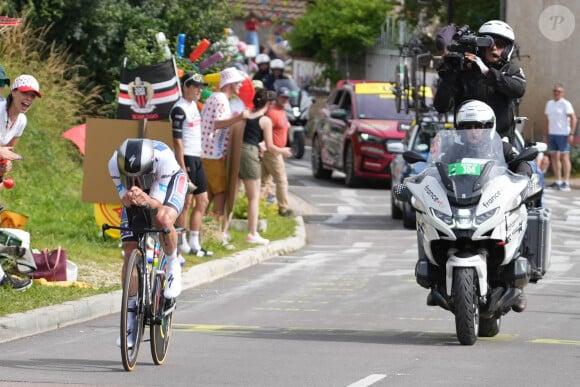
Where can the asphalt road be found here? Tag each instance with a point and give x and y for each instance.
(343, 311)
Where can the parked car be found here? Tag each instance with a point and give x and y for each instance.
(353, 129)
(418, 139)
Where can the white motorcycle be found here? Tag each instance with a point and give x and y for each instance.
(473, 230)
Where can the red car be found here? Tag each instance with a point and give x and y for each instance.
(357, 122)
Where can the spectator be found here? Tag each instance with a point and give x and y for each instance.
(252, 25)
(216, 118)
(273, 167)
(560, 126)
(258, 128)
(186, 127)
(4, 81)
(146, 174)
(24, 92)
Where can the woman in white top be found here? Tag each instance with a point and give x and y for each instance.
(23, 93)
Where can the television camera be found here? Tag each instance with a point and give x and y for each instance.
(464, 41)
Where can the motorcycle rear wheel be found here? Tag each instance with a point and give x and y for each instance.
(466, 305)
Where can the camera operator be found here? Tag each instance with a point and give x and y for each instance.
(479, 67)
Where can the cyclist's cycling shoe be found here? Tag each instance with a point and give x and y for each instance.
(173, 281)
(130, 332)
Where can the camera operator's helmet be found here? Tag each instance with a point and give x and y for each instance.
(277, 64)
(473, 114)
(136, 162)
(262, 58)
(500, 29)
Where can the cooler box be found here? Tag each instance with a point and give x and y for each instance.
(537, 241)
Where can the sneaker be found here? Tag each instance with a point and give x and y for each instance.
(286, 213)
(173, 285)
(226, 242)
(270, 199)
(257, 239)
(564, 187)
(554, 185)
(201, 253)
(16, 284)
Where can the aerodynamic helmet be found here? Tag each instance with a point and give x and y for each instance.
(136, 162)
(473, 114)
(277, 64)
(502, 30)
(262, 58)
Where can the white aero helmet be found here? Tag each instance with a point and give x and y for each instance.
(498, 28)
(277, 64)
(262, 58)
(473, 114)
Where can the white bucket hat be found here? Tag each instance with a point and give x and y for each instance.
(230, 75)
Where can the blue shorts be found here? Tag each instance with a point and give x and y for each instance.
(558, 143)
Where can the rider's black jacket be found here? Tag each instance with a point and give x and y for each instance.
(499, 88)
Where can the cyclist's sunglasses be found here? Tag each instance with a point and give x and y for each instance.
(144, 181)
(475, 125)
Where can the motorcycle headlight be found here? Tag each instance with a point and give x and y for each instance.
(296, 111)
(447, 219)
(479, 219)
(463, 218)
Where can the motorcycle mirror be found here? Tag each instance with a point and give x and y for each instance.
(413, 157)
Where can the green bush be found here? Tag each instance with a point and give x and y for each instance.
(575, 159)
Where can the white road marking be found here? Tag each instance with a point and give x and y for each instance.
(369, 380)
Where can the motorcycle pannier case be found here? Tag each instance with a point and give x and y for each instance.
(537, 241)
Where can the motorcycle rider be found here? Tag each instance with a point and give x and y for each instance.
(276, 72)
(263, 62)
(472, 116)
(489, 76)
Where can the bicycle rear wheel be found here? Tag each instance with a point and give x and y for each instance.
(162, 316)
(133, 280)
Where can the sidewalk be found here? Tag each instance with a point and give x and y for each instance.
(574, 182)
(37, 321)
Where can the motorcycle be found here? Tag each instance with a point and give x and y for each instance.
(481, 239)
(297, 111)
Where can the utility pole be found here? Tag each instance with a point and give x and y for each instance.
(449, 11)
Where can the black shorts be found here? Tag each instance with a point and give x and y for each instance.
(196, 173)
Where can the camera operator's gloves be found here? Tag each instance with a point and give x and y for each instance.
(401, 192)
(482, 67)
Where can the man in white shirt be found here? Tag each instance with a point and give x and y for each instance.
(560, 127)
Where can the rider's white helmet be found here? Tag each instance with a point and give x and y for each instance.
(277, 64)
(498, 28)
(475, 114)
(262, 58)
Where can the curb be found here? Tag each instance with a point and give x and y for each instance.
(19, 325)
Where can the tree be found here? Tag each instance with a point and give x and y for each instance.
(341, 27)
(94, 31)
(473, 13)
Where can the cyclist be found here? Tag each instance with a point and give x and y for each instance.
(146, 174)
(490, 77)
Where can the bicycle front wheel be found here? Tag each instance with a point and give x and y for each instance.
(132, 309)
(162, 315)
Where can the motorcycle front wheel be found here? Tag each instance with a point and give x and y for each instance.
(297, 145)
(466, 305)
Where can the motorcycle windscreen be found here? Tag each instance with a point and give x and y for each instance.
(466, 161)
